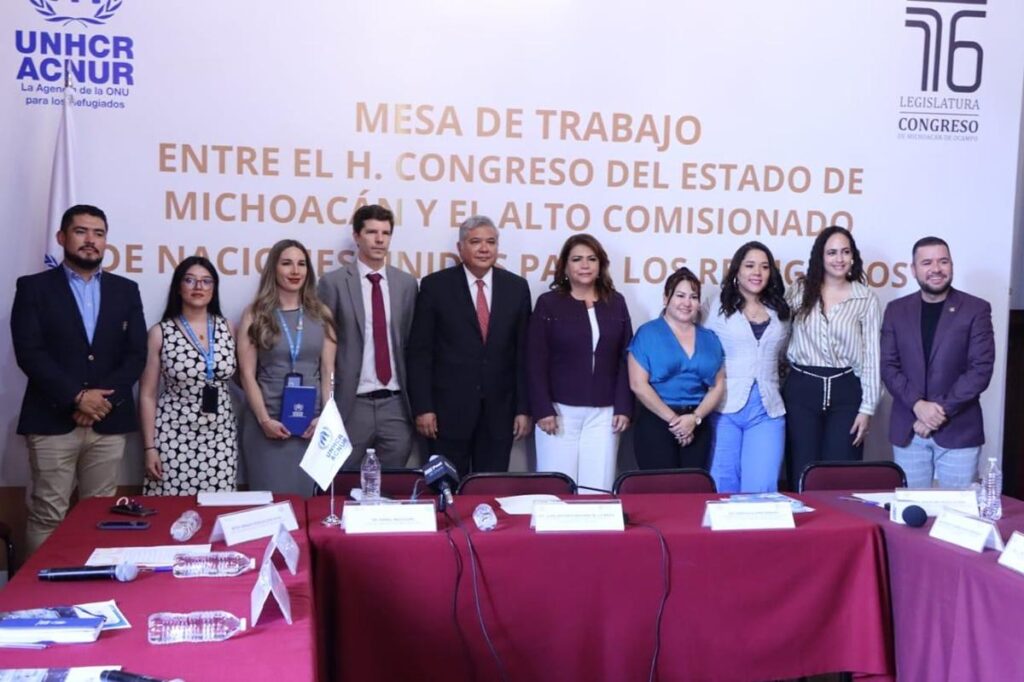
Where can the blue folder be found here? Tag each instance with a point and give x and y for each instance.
(298, 407)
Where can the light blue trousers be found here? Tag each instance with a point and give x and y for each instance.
(924, 459)
(748, 448)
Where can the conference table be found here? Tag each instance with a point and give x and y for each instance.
(270, 650)
(741, 605)
(956, 613)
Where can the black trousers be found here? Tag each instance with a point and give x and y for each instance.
(656, 448)
(814, 433)
(484, 450)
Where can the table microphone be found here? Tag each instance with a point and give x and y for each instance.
(914, 516)
(440, 474)
(121, 572)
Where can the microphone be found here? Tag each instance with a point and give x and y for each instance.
(914, 516)
(440, 474)
(121, 572)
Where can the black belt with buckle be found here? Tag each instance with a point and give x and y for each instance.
(379, 395)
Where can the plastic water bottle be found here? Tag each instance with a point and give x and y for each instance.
(198, 626)
(991, 491)
(212, 565)
(484, 518)
(186, 526)
(370, 476)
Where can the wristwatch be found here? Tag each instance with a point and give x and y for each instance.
(697, 418)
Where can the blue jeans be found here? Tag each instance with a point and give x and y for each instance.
(925, 459)
(748, 448)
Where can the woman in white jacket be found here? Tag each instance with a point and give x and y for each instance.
(752, 323)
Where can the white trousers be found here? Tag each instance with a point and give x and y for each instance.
(583, 447)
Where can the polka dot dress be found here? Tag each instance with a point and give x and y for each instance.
(198, 451)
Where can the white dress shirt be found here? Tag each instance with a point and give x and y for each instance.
(488, 280)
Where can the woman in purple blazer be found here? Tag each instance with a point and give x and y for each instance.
(579, 384)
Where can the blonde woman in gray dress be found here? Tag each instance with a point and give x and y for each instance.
(286, 336)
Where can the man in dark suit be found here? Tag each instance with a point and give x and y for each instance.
(937, 356)
(373, 305)
(80, 337)
(467, 355)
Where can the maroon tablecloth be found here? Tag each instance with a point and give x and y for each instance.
(271, 650)
(743, 605)
(956, 613)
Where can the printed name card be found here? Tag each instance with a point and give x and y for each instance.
(1013, 556)
(242, 526)
(419, 516)
(579, 515)
(748, 516)
(933, 501)
(283, 542)
(964, 530)
(269, 583)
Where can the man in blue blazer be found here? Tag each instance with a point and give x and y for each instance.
(80, 337)
(467, 355)
(937, 356)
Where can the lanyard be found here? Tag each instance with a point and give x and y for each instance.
(293, 344)
(208, 354)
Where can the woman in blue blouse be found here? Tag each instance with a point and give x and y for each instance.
(675, 370)
(579, 386)
(752, 323)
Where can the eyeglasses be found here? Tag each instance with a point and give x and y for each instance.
(197, 282)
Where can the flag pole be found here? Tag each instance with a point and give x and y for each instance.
(332, 519)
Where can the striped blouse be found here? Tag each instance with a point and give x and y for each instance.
(847, 337)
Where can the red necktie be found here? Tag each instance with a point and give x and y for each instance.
(381, 356)
(483, 316)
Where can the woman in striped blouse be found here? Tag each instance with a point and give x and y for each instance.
(833, 386)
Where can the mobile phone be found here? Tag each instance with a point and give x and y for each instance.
(123, 525)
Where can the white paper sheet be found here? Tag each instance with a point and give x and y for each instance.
(147, 557)
(879, 498)
(523, 504)
(247, 498)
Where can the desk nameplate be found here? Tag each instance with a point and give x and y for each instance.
(748, 516)
(1013, 556)
(578, 516)
(390, 517)
(250, 524)
(969, 532)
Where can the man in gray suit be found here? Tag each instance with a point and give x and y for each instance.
(373, 306)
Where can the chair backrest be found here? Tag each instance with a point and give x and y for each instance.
(397, 483)
(534, 483)
(664, 481)
(852, 476)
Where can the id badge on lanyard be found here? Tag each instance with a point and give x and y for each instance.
(211, 394)
(293, 378)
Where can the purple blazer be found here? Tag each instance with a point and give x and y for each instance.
(559, 356)
(963, 353)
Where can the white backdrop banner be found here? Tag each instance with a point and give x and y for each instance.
(673, 132)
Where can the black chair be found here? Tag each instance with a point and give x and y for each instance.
(397, 483)
(501, 484)
(852, 476)
(8, 539)
(664, 481)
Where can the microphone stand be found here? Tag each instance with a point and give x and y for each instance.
(332, 519)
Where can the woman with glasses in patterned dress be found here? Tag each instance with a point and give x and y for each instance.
(188, 423)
